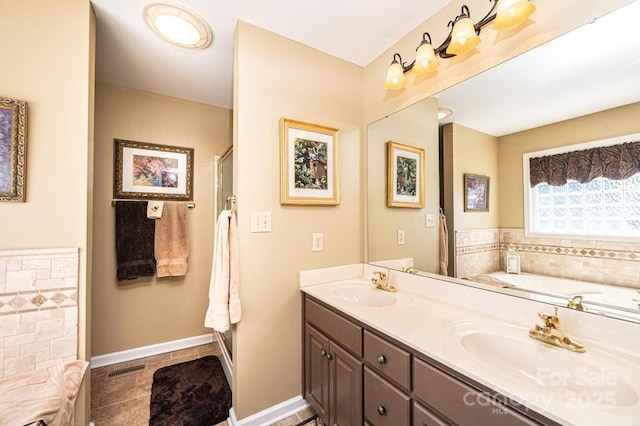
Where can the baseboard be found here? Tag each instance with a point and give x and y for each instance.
(145, 351)
(270, 415)
(225, 360)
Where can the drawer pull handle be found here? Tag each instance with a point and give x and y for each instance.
(326, 355)
(381, 410)
(382, 359)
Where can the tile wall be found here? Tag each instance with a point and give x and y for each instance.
(608, 262)
(477, 252)
(38, 309)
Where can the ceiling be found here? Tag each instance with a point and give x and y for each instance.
(593, 68)
(129, 54)
(601, 59)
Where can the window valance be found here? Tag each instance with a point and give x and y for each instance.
(613, 162)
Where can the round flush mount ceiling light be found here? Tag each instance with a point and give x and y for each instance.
(444, 112)
(178, 26)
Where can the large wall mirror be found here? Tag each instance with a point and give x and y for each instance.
(581, 87)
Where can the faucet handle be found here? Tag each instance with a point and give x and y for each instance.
(576, 303)
(551, 321)
(381, 275)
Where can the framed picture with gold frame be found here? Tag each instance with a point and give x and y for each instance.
(476, 193)
(13, 148)
(149, 171)
(309, 164)
(405, 175)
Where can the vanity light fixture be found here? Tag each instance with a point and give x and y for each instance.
(426, 60)
(463, 37)
(178, 26)
(395, 74)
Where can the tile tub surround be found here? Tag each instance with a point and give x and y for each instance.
(477, 252)
(604, 262)
(482, 251)
(38, 309)
(421, 321)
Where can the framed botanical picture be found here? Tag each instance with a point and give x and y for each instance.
(13, 145)
(309, 164)
(149, 171)
(405, 175)
(476, 193)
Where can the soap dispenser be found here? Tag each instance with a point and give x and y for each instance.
(512, 260)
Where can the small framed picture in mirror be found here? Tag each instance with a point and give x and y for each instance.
(405, 176)
(476, 193)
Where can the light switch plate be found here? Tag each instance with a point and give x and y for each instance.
(260, 221)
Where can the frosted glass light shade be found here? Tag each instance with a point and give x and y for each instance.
(178, 26)
(511, 13)
(463, 37)
(426, 60)
(395, 77)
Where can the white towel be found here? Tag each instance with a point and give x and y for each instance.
(224, 302)
(154, 209)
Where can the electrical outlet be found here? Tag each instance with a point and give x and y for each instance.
(400, 237)
(260, 221)
(317, 243)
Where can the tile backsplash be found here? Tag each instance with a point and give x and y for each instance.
(608, 262)
(38, 309)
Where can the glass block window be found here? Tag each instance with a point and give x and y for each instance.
(602, 208)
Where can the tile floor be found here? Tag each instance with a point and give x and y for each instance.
(124, 399)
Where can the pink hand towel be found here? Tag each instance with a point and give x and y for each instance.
(172, 241)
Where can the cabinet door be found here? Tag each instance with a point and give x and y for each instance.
(346, 388)
(316, 371)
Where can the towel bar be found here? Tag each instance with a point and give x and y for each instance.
(190, 205)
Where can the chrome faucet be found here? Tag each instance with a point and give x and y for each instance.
(550, 333)
(576, 303)
(382, 281)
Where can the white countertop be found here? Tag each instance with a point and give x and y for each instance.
(427, 312)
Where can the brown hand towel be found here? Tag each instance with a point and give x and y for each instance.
(134, 240)
(172, 241)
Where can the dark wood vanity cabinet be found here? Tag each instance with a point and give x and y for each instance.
(354, 375)
(332, 375)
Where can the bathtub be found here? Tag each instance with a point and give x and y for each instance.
(591, 292)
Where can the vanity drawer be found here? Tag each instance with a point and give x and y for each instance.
(384, 404)
(388, 359)
(339, 329)
(459, 402)
(423, 417)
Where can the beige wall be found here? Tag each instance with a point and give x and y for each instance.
(47, 61)
(607, 124)
(474, 153)
(552, 18)
(416, 126)
(468, 151)
(147, 311)
(274, 78)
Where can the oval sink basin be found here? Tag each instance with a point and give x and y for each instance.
(363, 294)
(593, 378)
